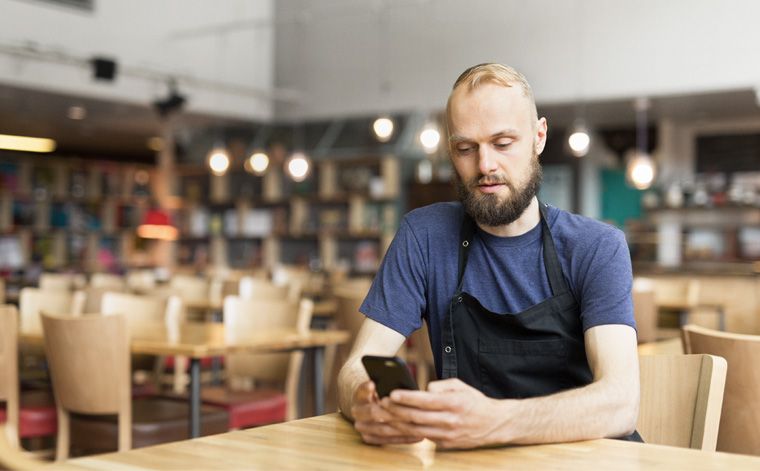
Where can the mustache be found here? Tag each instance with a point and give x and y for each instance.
(488, 180)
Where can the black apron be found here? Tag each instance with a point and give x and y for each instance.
(536, 352)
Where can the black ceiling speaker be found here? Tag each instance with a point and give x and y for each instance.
(103, 69)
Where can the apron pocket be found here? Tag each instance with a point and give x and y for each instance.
(518, 369)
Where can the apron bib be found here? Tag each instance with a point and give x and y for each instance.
(536, 352)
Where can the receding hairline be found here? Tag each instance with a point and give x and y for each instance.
(492, 72)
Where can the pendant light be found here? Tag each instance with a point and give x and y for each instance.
(298, 165)
(640, 169)
(430, 137)
(579, 139)
(218, 159)
(257, 163)
(383, 125)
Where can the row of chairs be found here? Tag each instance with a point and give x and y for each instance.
(253, 406)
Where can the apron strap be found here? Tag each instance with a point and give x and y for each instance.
(551, 261)
(466, 235)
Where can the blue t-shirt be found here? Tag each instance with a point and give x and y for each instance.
(418, 275)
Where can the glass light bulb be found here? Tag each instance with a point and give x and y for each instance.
(383, 129)
(430, 138)
(257, 163)
(219, 162)
(298, 166)
(579, 143)
(640, 170)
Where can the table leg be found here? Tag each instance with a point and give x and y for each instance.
(319, 385)
(195, 397)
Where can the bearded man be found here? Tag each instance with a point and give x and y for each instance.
(529, 307)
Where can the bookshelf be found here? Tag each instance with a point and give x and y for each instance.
(68, 213)
(343, 216)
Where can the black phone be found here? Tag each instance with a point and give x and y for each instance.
(388, 373)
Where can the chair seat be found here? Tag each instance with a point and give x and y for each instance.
(248, 408)
(37, 415)
(154, 421)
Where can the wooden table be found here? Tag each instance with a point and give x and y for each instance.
(329, 442)
(198, 340)
(685, 309)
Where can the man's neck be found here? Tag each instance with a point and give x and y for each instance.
(527, 221)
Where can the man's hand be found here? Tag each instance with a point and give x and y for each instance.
(451, 413)
(374, 421)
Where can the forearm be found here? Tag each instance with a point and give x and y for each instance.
(589, 412)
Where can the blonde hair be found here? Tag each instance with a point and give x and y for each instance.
(502, 74)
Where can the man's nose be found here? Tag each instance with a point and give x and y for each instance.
(486, 161)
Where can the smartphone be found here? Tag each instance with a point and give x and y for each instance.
(388, 373)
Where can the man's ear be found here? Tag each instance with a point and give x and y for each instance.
(540, 135)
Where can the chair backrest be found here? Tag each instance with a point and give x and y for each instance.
(246, 315)
(645, 312)
(90, 371)
(9, 386)
(189, 287)
(141, 280)
(740, 419)
(32, 301)
(681, 397)
(137, 307)
(61, 281)
(108, 280)
(258, 288)
(349, 295)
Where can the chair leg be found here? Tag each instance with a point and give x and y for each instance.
(63, 442)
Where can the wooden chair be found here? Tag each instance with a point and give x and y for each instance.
(419, 355)
(261, 388)
(141, 309)
(61, 281)
(13, 458)
(90, 368)
(349, 295)
(190, 288)
(32, 301)
(27, 414)
(740, 420)
(258, 288)
(681, 397)
(645, 312)
(108, 280)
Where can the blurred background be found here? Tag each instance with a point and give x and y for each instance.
(154, 107)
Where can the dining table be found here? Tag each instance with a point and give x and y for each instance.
(198, 340)
(329, 442)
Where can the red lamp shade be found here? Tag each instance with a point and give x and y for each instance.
(157, 225)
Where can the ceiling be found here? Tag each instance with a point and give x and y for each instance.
(120, 131)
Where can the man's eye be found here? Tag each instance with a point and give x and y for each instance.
(503, 145)
(464, 149)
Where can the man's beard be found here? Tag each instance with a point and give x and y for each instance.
(493, 210)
